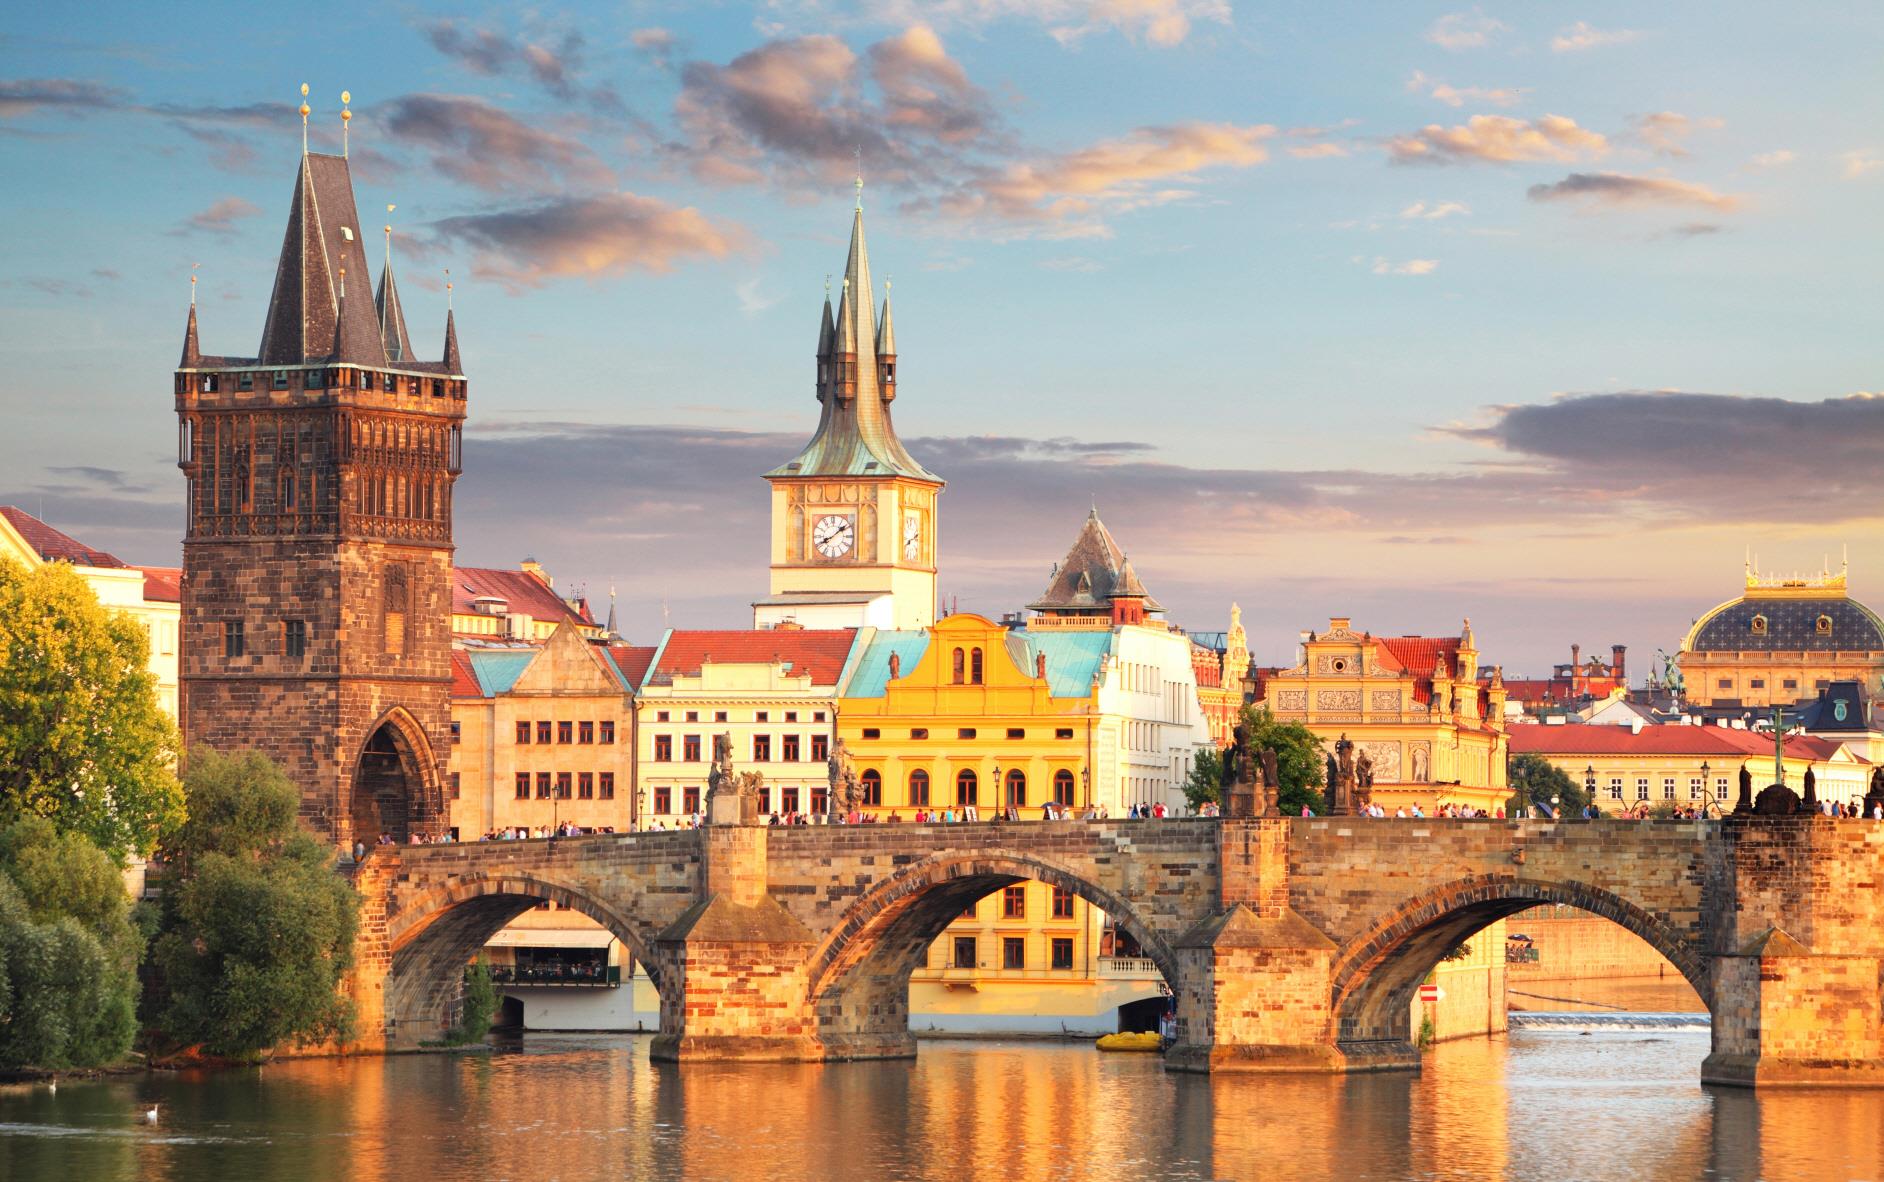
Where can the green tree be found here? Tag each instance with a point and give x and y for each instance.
(83, 741)
(480, 1004)
(68, 951)
(259, 928)
(1298, 763)
(1536, 780)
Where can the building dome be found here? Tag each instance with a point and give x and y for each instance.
(1806, 623)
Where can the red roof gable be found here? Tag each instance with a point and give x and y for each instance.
(819, 653)
(163, 584)
(1418, 654)
(522, 591)
(633, 661)
(464, 683)
(52, 545)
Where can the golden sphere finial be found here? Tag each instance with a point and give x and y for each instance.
(304, 90)
(346, 96)
(346, 116)
(305, 109)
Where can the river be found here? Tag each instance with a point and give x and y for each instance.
(1537, 1104)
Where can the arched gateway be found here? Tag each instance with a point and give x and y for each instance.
(1291, 945)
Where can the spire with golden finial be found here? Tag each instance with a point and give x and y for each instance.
(304, 112)
(346, 117)
(193, 267)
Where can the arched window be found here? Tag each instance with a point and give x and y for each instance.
(965, 786)
(872, 787)
(958, 675)
(919, 789)
(1063, 787)
(1016, 788)
(974, 667)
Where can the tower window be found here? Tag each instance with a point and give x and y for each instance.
(232, 638)
(245, 381)
(974, 667)
(393, 607)
(280, 380)
(294, 638)
(391, 385)
(1759, 625)
(958, 666)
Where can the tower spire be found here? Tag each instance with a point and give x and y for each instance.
(304, 113)
(392, 314)
(346, 118)
(192, 355)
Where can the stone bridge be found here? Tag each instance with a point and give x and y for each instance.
(1290, 944)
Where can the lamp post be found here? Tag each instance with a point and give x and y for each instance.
(1085, 785)
(1589, 787)
(641, 806)
(1000, 792)
(1707, 792)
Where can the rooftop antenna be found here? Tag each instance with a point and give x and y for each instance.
(346, 117)
(193, 267)
(304, 110)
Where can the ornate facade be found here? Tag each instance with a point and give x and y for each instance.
(1781, 643)
(316, 597)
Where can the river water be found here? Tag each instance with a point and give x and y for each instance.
(1537, 1104)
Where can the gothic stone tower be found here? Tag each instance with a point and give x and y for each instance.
(317, 563)
(854, 515)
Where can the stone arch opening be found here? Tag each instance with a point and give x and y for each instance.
(435, 935)
(1376, 975)
(859, 977)
(391, 791)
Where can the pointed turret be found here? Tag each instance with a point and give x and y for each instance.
(826, 334)
(392, 317)
(192, 355)
(1128, 596)
(453, 365)
(886, 351)
(355, 343)
(323, 236)
(1094, 571)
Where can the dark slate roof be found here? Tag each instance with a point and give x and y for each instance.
(1791, 626)
(392, 317)
(302, 324)
(1824, 713)
(1086, 579)
(53, 546)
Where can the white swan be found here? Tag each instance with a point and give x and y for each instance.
(150, 1115)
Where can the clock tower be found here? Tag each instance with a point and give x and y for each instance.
(854, 514)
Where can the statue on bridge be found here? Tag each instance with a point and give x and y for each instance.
(845, 794)
(1874, 799)
(732, 798)
(1363, 781)
(1248, 781)
(1743, 807)
(1341, 777)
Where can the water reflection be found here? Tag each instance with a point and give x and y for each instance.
(1539, 1105)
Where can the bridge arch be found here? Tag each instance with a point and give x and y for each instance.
(436, 931)
(857, 977)
(1375, 974)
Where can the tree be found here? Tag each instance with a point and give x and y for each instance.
(68, 951)
(1298, 763)
(83, 741)
(260, 929)
(1535, 780)
(480, 1005)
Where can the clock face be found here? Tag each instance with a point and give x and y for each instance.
(833, 536)
(912, 536)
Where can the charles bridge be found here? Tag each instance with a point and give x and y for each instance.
(1290, 944)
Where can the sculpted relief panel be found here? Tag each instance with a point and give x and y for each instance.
(1328, 699)
(1386, 757)
(1422, 760)
(1387, 701)
(1296, 700)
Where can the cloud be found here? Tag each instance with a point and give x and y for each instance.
(485, 147)
(1498, 139)
(609, 234)
(115, 479)
(1663, 131)
(927, 91)
(1435, 211)
(1163, 23)
(1777, 158)
(656, 44)
(1861, 162)
(1322, 151)
(1693, 230)
(1384, 266)
(23, 96)
(1615, 188)
(552, 62)
(1078, 264)
(1465, 30)
(1074, 190)
(752, 301)
(220, 218)
(1458, 96)
(51, 285)
(1581, 36)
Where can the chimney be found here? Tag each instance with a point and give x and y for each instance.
(1576, 667)
(896, 666)
(1616, 652)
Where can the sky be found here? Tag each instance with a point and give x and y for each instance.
(1538, 314)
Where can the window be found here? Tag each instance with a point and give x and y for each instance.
(1697, 787)
(690, 799)
(1064, 732)
(542, 785)
(1759, 625)
(965, 786)
(762, 748)
(245, 381)
(872, 787)
(818, 716)
(820, 747)
(919, 732)
(1016, 732)
(1013, 952)
(690, 748)
(523, 785)
(523, 734)
(1062, 903)
(1615, 787)
(765, 800)
(871, 732)
(1757, 683)
(660, 716)
(608, 731)
(232, 638)
(280, 379)
(693, 716)
(967, 732)
(762, 716)
(1720, 788)
(1823, 625)
(585, 732)
(664, 799)
(1725, 683)
(820, 799)
(1063, 788)
(294, 638)
(565, 732)
(788, 798)
(919, 789)
(964, 955)
(1062, 952)
(1668, 787)
(974, 667)
(606, 787)
(543, 732)
(719, 716)
(1641, 787)
(1791, 683)
(1014, 902)
(958, 663)
(791, 716)
(456, 733)
(393, 604)
(1016, 788)
(663, 748)
(788, 748)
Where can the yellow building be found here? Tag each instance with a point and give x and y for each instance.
(150, 595)
(1413, 704)
(853, 538)
(1782, 642)
(511, 606)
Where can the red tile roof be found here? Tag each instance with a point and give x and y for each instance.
(522, 591)
(1418, 654)
(52, 545)
(163, 584)
(464, 683)
(633, 661)
(1573, 739)
(819, 653)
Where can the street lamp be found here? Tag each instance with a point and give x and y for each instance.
(1000, 792)
(1589, 786)
(641, 806)
(1707, 791)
